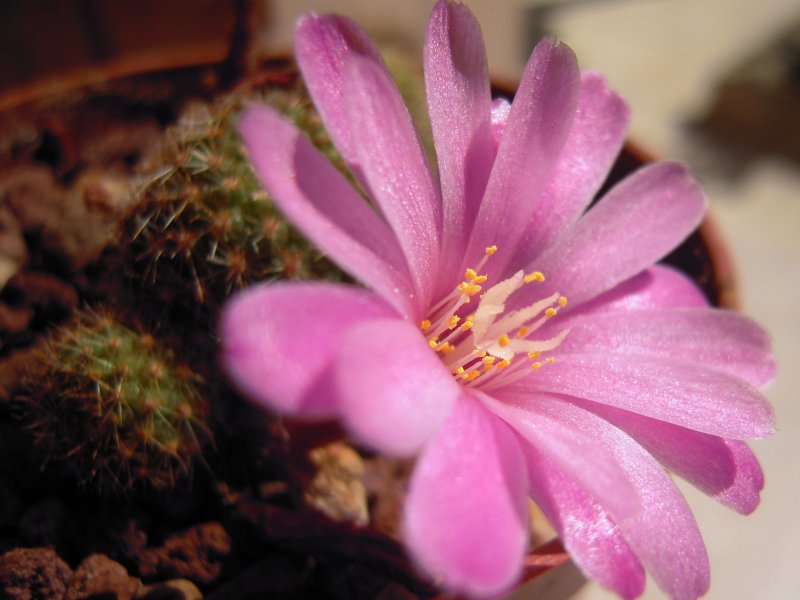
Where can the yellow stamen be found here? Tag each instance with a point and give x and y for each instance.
(522, 332)
(433, 343)
(536, 366)
(491, 250)
(535, 276)
(453, 321)
(562, 301)
(504, 363)
(470, 274)
(470, 375)
(533, 355)
(550, 360)
(425, 325)
(488, 363)
(550, 313)
(470, 289)
(503, 340)
(458, 371)
(480, 279)
(467, 324)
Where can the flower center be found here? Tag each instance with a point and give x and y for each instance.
(491, 347)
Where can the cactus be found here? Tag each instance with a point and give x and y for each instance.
(112, 406)
(204, 224)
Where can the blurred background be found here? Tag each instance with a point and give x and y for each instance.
(714, 83)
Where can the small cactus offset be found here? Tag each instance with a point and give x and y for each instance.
(113, 407)
(204, 224)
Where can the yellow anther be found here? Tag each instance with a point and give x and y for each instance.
(535, 276)
(562, 301)
(450, 348)
(470, 289)
(467, 324)
(470, 274)
(470, 375)
(550, 312)
(433, 343)
(536, 366)
(491, 250)
(480, 279)
(549, 360)
(503, 340)
(534, 355)
(452, 322)
(522, 332)
(458, 371)
(504, 363)
(425, 325)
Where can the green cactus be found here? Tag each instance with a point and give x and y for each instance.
(204, 224)
(113, 407)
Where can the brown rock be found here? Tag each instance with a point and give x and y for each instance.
(174, 589)
(100, 577)
(196, 554)
(30, 193)
(33, 574)
(337, 488)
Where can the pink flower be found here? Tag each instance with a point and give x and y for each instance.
(518, 343)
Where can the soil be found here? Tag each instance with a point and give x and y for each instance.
(271, 509)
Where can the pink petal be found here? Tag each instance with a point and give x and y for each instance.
(324, 45)
(456, 75)
(465, 518)
(321, 203)
(660, 286)
(682, 393)
(571, 450)
(279, 341)
(724, 469)
(395, 168)
(717, 339)
(538, 125)
(633, 226)
(589, 153)
(395, 392)
(592, 539)
(664, 534)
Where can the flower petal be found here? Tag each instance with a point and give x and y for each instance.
(395, 392)
(664, 534)
(465, 518)
(634, 225)
(660, 286)
(540, 119)
(683, 393)
(324, 45)
(717, 339)
(724, 469)
(591, 148)
(592, 539)
(457, 87)
(323, 205)
(396, 171)
(570, 449)
(279, 341)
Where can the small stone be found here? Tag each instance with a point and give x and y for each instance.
(197, 554)
(100, 577)
(33, 574)
(337, 488)
(174, 589)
